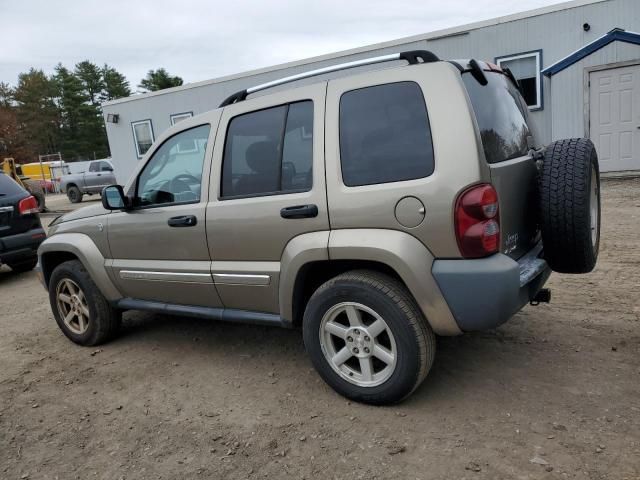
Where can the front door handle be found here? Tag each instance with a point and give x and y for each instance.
(183, 221)
(299, 211)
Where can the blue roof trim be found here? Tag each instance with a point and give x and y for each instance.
(612, 36)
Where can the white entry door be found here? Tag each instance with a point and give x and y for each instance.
(615, 117)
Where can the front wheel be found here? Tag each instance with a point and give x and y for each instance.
(83, 314)
(74, 194)
(367, 338)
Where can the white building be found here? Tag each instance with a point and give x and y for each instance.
(578, 63)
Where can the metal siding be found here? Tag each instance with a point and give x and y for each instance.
(557, 34)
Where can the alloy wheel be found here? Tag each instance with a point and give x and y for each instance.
(72, 306)
(358, 344)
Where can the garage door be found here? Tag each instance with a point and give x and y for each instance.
(615, 117)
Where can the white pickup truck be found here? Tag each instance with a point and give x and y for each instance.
(99, 175)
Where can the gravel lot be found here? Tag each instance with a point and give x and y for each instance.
(554, 393)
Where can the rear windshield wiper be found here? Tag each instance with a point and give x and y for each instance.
(477, 73)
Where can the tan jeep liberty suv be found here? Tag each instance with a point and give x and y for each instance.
(375, 210)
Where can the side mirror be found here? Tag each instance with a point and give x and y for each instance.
(113, 198)
(107, 169)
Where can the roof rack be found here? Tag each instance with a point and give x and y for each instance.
(412, 56)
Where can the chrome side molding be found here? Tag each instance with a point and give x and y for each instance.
(241, 279)
(187, 277)
(184, 277)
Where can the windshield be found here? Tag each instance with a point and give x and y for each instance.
(502, 116)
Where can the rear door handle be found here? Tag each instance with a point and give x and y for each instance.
(299, 211)
(183, 221)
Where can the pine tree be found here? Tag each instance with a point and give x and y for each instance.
(115, 84)
(6, 95)
(36, 111)
(91, 77)
(59, 113)
(82, 129)
(159, 80)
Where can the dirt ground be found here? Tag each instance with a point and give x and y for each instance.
(554, 393)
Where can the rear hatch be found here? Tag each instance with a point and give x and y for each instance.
(502, 117)
(11, 222)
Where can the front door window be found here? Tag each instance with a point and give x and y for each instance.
(173, 175)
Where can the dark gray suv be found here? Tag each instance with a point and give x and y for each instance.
(20, 230)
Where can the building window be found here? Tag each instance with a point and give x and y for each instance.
(185, 146)
(142, 136)
(526, 68)
(178, 117)
(384, 135)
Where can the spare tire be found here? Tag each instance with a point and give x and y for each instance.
(569, 196)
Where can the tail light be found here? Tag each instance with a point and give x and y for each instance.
(28, 205)
(477, 221)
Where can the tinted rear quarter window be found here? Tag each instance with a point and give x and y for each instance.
(8, 187)
(384, 135)
(501, 114)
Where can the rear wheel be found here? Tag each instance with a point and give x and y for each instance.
(35, 189)
(83, 314)
(367, 338)
(74, 194)
(569, 186)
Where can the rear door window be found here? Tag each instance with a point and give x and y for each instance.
(269, 151)
(384, 135)
(501, 113)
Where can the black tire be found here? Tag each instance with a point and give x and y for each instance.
(24, 266)
(566, 200)
(74, 194)
(104, 320)
(35, 189)
(414, 339)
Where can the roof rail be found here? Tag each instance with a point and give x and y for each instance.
(412, 56)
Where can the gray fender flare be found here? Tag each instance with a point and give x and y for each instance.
(303, 249)
(403, 253)
(409, 258)
(88, 253)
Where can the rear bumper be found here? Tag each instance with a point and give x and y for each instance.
(22, 246)
(484, 293)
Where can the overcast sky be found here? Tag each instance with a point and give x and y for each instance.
(200, 39)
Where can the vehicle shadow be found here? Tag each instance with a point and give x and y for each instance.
(8, 276)
(139, 326)
(463, 365)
